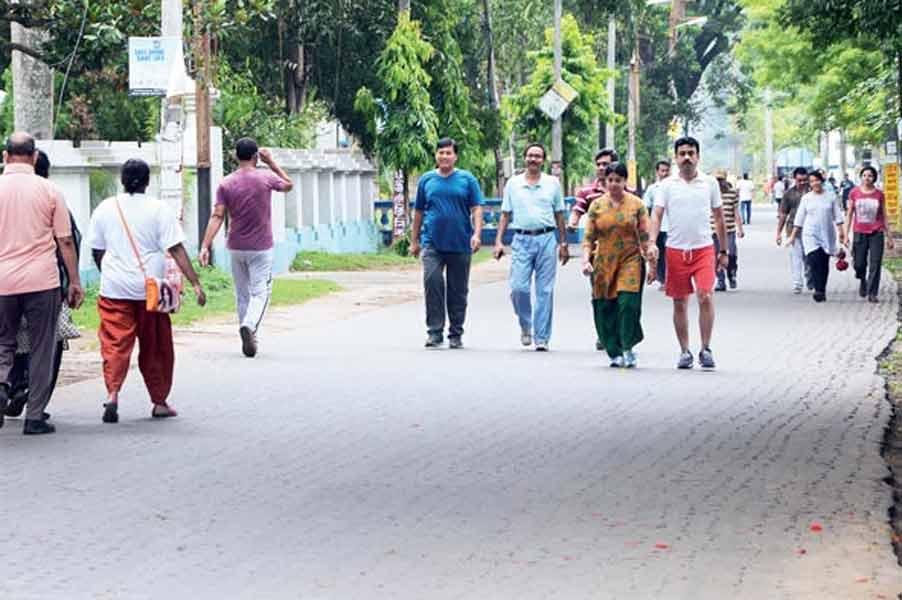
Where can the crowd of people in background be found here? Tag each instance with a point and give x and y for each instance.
(683, 234)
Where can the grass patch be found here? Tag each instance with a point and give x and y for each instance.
(327, 261)
(382, 261)
(220, 298)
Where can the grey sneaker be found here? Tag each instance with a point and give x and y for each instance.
(434, 340)
(526, 338)
(617, 362)
(629, 359)
(706, 358)
(541, 346)
(455, 343)
(685, 361)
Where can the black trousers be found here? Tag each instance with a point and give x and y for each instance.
(41, 309)
(819, 263)
(441, 294)
(661, 243)
(867, 255)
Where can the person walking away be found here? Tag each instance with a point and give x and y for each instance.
(778, 190)
(585, 196)
(129, 237)
(785, 221)
(447, 229)
(688, 201)
(66, 329)
(819, 221)
(662, 172)
(534, 207)
(615, 247)
(746, 189)
(733, 222)
(246, 197)
(846, 187)
(866, 218)
(34, 221)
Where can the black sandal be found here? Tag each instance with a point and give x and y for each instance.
(111, 412)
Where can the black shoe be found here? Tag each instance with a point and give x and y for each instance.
(111, 412)
(863, 288)
(720, 287)
(455, 343)
(4, 399)
(434, 340)
(732, 283)
(873, 298)
(33, 427)
(17, 403)
(819, 297)
(248, 342)
(599, 345)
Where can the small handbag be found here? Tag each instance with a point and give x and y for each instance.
(163, 295)
(66, 329)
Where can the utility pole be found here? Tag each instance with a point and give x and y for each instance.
(633, 120)
(557, 149)
(612, 66)
(768, 136)
(204, 121)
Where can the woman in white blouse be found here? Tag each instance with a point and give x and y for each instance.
(819, 220)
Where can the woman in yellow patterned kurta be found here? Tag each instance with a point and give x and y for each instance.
(615, 247)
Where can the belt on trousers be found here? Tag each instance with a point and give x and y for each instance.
(542, 231)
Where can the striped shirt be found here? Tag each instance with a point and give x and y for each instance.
(730, 204)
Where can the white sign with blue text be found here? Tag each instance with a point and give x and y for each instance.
(150, 62)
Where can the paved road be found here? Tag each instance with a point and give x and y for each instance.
(348, 463)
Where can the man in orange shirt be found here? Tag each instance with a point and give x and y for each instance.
(33, 221)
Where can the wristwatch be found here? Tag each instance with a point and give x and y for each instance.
(724, 252)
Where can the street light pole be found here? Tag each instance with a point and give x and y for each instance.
(202, 102)
(557, 150)
(612, 65)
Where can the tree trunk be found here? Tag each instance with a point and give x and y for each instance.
(32, 85)
(294, 63)
(493, 95)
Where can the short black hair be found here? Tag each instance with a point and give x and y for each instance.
(745, 175)
(536, 145)
(687, 141)
(817, 174)
(662, 163)
(446, 142)
(617, 168)
(607, 152)
(245, 148)
(868, 168)
(20, 145)
(42, 165)
(800, 171)
(135, 176)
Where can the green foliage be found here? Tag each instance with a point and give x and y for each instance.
(401, 246)
(7, 123)
(402, 119)
(244, 111)
(581, 71)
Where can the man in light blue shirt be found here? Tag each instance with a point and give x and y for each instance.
(534, 207)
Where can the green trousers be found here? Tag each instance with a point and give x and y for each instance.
(617, 322)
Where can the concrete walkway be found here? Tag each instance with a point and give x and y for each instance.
(346, 462)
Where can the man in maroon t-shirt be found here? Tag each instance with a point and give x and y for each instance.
(246, 195)
(586, 195)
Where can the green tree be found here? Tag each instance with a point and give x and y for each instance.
(580, 70)
(401, 118)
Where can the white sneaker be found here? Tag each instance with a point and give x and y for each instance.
(797, 290)
(617, 362)
(526, 338)
(541, 346)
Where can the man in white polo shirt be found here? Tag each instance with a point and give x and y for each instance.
(688, 201)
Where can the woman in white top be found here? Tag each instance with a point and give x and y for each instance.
(130, 236)
(819, 220)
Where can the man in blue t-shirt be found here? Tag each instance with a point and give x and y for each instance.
(448, 210)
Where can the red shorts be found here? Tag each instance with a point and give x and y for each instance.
(684, 266)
